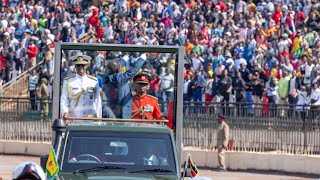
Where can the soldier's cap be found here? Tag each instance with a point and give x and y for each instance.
(142, 78)
(80, 59)
(220, 116)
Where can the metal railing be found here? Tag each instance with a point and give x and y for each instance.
(203, 135)
(256, 116)
(22, 109)
(283, 128)
(18, 86)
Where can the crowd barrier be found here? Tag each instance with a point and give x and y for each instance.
(285, 128)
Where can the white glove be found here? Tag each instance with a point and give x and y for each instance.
(143, 56)
(126, 58)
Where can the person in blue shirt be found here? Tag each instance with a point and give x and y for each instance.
(198, 87)
(96, 73)
(81, 29)
(118, 92)
(272, 61)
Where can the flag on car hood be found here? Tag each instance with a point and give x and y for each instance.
(52, 167)
(190, 167)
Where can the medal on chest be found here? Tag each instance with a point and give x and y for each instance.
(90, 91)
(148, 108)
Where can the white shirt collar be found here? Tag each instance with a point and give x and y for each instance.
(81, 77)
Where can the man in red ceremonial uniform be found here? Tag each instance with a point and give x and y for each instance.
(144, 106)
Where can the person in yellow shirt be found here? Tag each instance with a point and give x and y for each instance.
(297, 41)
(33, 23)
(275, 71)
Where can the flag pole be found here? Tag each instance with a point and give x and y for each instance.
(186, 166)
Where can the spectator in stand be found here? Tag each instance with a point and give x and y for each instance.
(315, 100)
(198, 87)
(154, 84)
(32, 52)
(208, 91)
(33, 82)
(43, 73)
(294, 85)
(303, 102)
(166, 86)
(265, 106)
(257, 89)
(283, 91)
(248, 94)
(20, 56)
(187, 89)
(9, 64)
(2, 61)
(225, 88)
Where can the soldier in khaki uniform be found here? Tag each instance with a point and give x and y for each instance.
(42, 93)
(222, 141)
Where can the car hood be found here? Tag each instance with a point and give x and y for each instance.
(115, 176)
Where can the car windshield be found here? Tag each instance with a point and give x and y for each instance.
(132, 152)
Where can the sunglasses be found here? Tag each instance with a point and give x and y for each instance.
(80, 65)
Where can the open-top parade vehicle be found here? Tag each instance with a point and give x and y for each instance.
(112, 148)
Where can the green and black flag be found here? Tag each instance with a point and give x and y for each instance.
(190, 167)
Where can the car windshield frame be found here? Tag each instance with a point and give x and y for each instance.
(67, 166)
(62, 47)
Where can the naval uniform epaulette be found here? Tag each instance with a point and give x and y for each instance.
(67, 78)
(91, 77)
(152, 97)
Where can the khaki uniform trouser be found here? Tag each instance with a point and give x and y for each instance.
(221, 159)
(44, 108)
(257, 99)
(283, 109)
(30, 63)
(257, 108)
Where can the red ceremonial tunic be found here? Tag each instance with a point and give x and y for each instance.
(145, 107)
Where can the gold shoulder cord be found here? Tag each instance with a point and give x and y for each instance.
(139, 110)
(74, 97)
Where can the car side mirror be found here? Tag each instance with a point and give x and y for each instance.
(43, 161)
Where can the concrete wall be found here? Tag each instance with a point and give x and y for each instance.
(203, 158)
(259, 161)
(24, 148)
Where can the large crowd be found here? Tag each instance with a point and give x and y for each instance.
(253, 51)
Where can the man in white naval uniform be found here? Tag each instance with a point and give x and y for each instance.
(80, 95)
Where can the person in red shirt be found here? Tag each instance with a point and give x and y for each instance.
(94, 20)
(265, 106)
(285, 53)
(205, 31)
(2, 63)
(100, 31)
(32, 53)
(299, 17)
(154, 84)
(222, 6)
(277, 15)
(144, 106)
